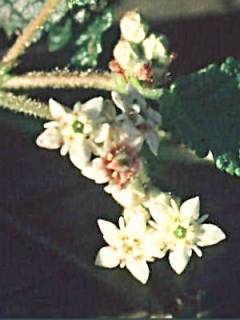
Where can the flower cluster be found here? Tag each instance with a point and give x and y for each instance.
(140, 54)
(168, 229)
(104, 140)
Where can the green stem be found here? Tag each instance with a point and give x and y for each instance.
(65, 80)
(24, 105)
(25, 39)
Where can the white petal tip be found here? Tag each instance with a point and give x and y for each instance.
(107, 258)
(179, 259)
(139, 270)
(100, 223)
(211, 235)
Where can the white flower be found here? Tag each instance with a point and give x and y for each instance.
(132, 27)
(136, 113)
(125, 55)
(182, 230)
(130, 246)
(76, 132)
(65, 133)
(154, 48)
(95, 115)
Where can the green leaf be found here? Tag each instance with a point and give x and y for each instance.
(81, 3)
(89, 43)
(16, 14)
(59, 36)
(202, 111)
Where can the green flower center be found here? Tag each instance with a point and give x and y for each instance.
(77, 126)
(180, 232)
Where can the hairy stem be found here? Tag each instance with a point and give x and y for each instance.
(65, 79)
(24, 105)
(60, 80)
(25, 39)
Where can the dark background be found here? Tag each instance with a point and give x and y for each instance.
(48, 212)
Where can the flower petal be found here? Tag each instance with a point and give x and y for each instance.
(139, 269)
(95, 171)
(136, 97)
(93, 107)
(190, 208)
(160, 212)
(154, 116)
(136, 226)
(64, 150)
(79, 153)
(118, 99)
(110, 231)
(154, 48)
(56, 109)
(102, 134)
(132, 27)
(51, 124)
(152, 139)
(210, 235)
(179, 258)
(154, 244)
(49, 139)
(197, 250)
(130, 133)
(107, 258)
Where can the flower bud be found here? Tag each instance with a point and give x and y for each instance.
(124, 54)
(154, 48)
(132, 27)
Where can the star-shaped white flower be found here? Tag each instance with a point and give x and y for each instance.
(130, 246)
(75, 132)
(182, 230)
(138, 118)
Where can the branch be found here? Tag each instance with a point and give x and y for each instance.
(73, 80)
(25, 39)
(60, 80)
(24, 105)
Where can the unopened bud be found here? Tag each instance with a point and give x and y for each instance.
(124, 54)
(154, 49)
(132, 27)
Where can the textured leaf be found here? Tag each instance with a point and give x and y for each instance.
(89, 43)
(59, 36)
(16, 14)
(72, 3)
(202, 110)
